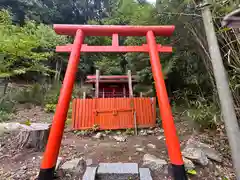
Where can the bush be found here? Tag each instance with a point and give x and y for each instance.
(130, 132)
(50, 108)
(51, 96)
(33, 94)
(206, 115)
(6, 107)
(4, 116)
(6, 104)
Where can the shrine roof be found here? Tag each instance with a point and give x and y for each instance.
(110, 79)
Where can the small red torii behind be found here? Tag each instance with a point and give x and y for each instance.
(80, 31)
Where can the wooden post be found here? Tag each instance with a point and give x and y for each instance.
(97, 83)
(84, 95)
(141, 94)
(225, 95)
(124, 91)
(130, 83)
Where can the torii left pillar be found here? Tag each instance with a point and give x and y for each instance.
(56, 133)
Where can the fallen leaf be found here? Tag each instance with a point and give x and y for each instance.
(192, 172)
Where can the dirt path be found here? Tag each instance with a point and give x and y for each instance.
(23, 165)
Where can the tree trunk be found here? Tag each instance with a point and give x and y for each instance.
(35, 137)
(5, 86)
(225, 95)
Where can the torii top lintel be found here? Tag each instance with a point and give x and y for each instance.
(108, 30)
(151, 47)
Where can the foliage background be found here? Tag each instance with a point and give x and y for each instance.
(27, 44)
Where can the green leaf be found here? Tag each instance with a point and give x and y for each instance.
(27, 122)
(192, 172)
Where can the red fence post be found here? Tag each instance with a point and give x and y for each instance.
(172, 141)
(54, 141)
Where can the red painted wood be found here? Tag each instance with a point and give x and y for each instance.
(86, 48)
(113, 113)
(56, 133)
(172, 141)
(115, 41)
(108, 30)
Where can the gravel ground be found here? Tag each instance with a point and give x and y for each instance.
(23, 164)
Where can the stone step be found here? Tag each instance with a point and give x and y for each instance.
(145, 174)
(117, 171)
(90, 173)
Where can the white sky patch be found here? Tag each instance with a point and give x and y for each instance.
(151, 1)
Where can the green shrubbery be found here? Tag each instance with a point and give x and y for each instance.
(4, 116)
(204, 114)
(49, 108)
(6, 107)
(33, 94)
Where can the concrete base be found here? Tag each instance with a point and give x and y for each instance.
(145, 174)
(117, 171)
(90, 173)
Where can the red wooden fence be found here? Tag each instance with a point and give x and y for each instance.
(113, 113)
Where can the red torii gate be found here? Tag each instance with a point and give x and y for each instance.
(80, 31)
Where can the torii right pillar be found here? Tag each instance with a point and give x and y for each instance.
(172, 141)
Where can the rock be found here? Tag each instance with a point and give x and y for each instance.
(120, 138)
(188, 164)
(140, 149)
(167, 170)
(24, 167)
(98, 135)
(153, 146)
(136, 145)
(90, 173)
(195, 154)
(153, 162)
(2, 130)
(18, 126)
(150, 131)
(74, 165)
(160, 137)
(145, 174)
(89, 162)
(143, 132)
(161, 130)
(59, 161)
(210, 152)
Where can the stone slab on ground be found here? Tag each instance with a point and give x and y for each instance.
(196, 155)
(12, 126)
(145, 174)
(74, 165)
(188, 164)
(210, 152)
(153, 162)
(90, 173)
(59, 161)
(118, 171)
(120, 138)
